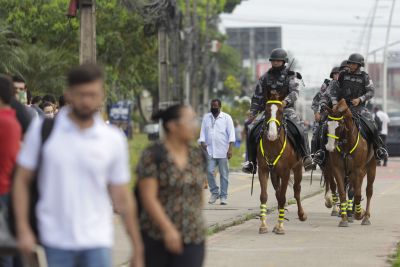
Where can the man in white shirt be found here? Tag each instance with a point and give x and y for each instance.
(384, 118)
(217, 137)
(83, 163)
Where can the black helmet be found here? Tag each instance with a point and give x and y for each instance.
(356, 59)
(333, 71)
(279, 54)
(343, 65)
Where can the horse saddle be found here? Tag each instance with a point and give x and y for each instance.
(292, 130)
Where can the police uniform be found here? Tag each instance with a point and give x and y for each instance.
(355, 85)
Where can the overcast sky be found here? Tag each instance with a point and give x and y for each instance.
(320, 33)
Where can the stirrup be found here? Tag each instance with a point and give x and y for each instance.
(381, 153)
(249, 167)
(319, 157)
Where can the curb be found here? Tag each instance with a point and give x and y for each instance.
(219, 227)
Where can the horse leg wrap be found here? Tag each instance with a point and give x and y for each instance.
(358, 208)
(350, 205)
(263, 211)
(281, 215)
(335, 199)
(344, 208)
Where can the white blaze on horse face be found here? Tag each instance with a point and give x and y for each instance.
(332, 125)
(273, 128)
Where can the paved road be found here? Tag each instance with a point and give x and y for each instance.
(317, 242)
(240, 204)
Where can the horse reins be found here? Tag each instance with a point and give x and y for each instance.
(273, 163)
(344, 155)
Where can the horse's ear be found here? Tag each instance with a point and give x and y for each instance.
(330, 111)
(342, 106)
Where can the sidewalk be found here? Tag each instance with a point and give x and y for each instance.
(240, 206)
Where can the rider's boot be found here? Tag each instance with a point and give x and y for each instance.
(380, 149)
(317, 153)
(308, 162)
(250, 166)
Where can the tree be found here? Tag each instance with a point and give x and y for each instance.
(8, 43)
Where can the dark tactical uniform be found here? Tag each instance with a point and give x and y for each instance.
(286, 83)
(321, 99)
(358, 85)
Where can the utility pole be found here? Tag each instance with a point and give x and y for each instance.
(385, 58)
(87, 51)
(174, 47)
(206, 90)
(370, 27)
(194, 86)
(189, 56)
(163, 92)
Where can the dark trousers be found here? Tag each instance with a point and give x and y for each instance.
(156, 255)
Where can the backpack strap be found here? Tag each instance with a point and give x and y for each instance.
(47, 128)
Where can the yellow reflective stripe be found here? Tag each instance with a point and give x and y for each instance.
(275, 120)
(280, 153)
(338, 149)
(356, 145)
(333, 136)
(261, 147)
(335, 118)
(274, 102)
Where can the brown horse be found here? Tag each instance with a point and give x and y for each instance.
(277, 156)
(350, 156)
(331, 198)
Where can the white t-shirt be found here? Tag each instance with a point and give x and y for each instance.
(74, 210)
(383, 116)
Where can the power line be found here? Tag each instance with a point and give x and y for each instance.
(315, 23)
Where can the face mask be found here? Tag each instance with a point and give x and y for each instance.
(215, 111)
(22, 97)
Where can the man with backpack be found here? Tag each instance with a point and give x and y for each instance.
(76, 161)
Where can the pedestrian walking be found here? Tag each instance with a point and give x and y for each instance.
(74, 214)
(217, 137)
(10, 138)
(385, 120)
(238, 134)
(170, 184)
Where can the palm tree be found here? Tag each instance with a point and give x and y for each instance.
(44, 69)
(9, 59)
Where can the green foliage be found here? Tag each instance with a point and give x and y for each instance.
(233, 85)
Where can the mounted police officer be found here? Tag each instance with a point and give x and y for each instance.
(281, 79)
(356, 88)
(321, 99)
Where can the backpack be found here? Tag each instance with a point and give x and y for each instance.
(45, 132)
(378, 122)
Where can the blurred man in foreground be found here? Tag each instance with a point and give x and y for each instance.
(73, 212)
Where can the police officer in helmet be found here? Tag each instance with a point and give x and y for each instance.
(356, 88)
(278, 78)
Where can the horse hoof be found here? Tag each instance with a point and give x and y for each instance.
(334, 213)
(279, 231)
(359, 216)
(303, 218)
(263, 230)
(350, 219)
(328, 203)
(365, 222)
(344, 224)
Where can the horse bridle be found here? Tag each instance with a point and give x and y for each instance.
(273, 163)
(338, 138)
